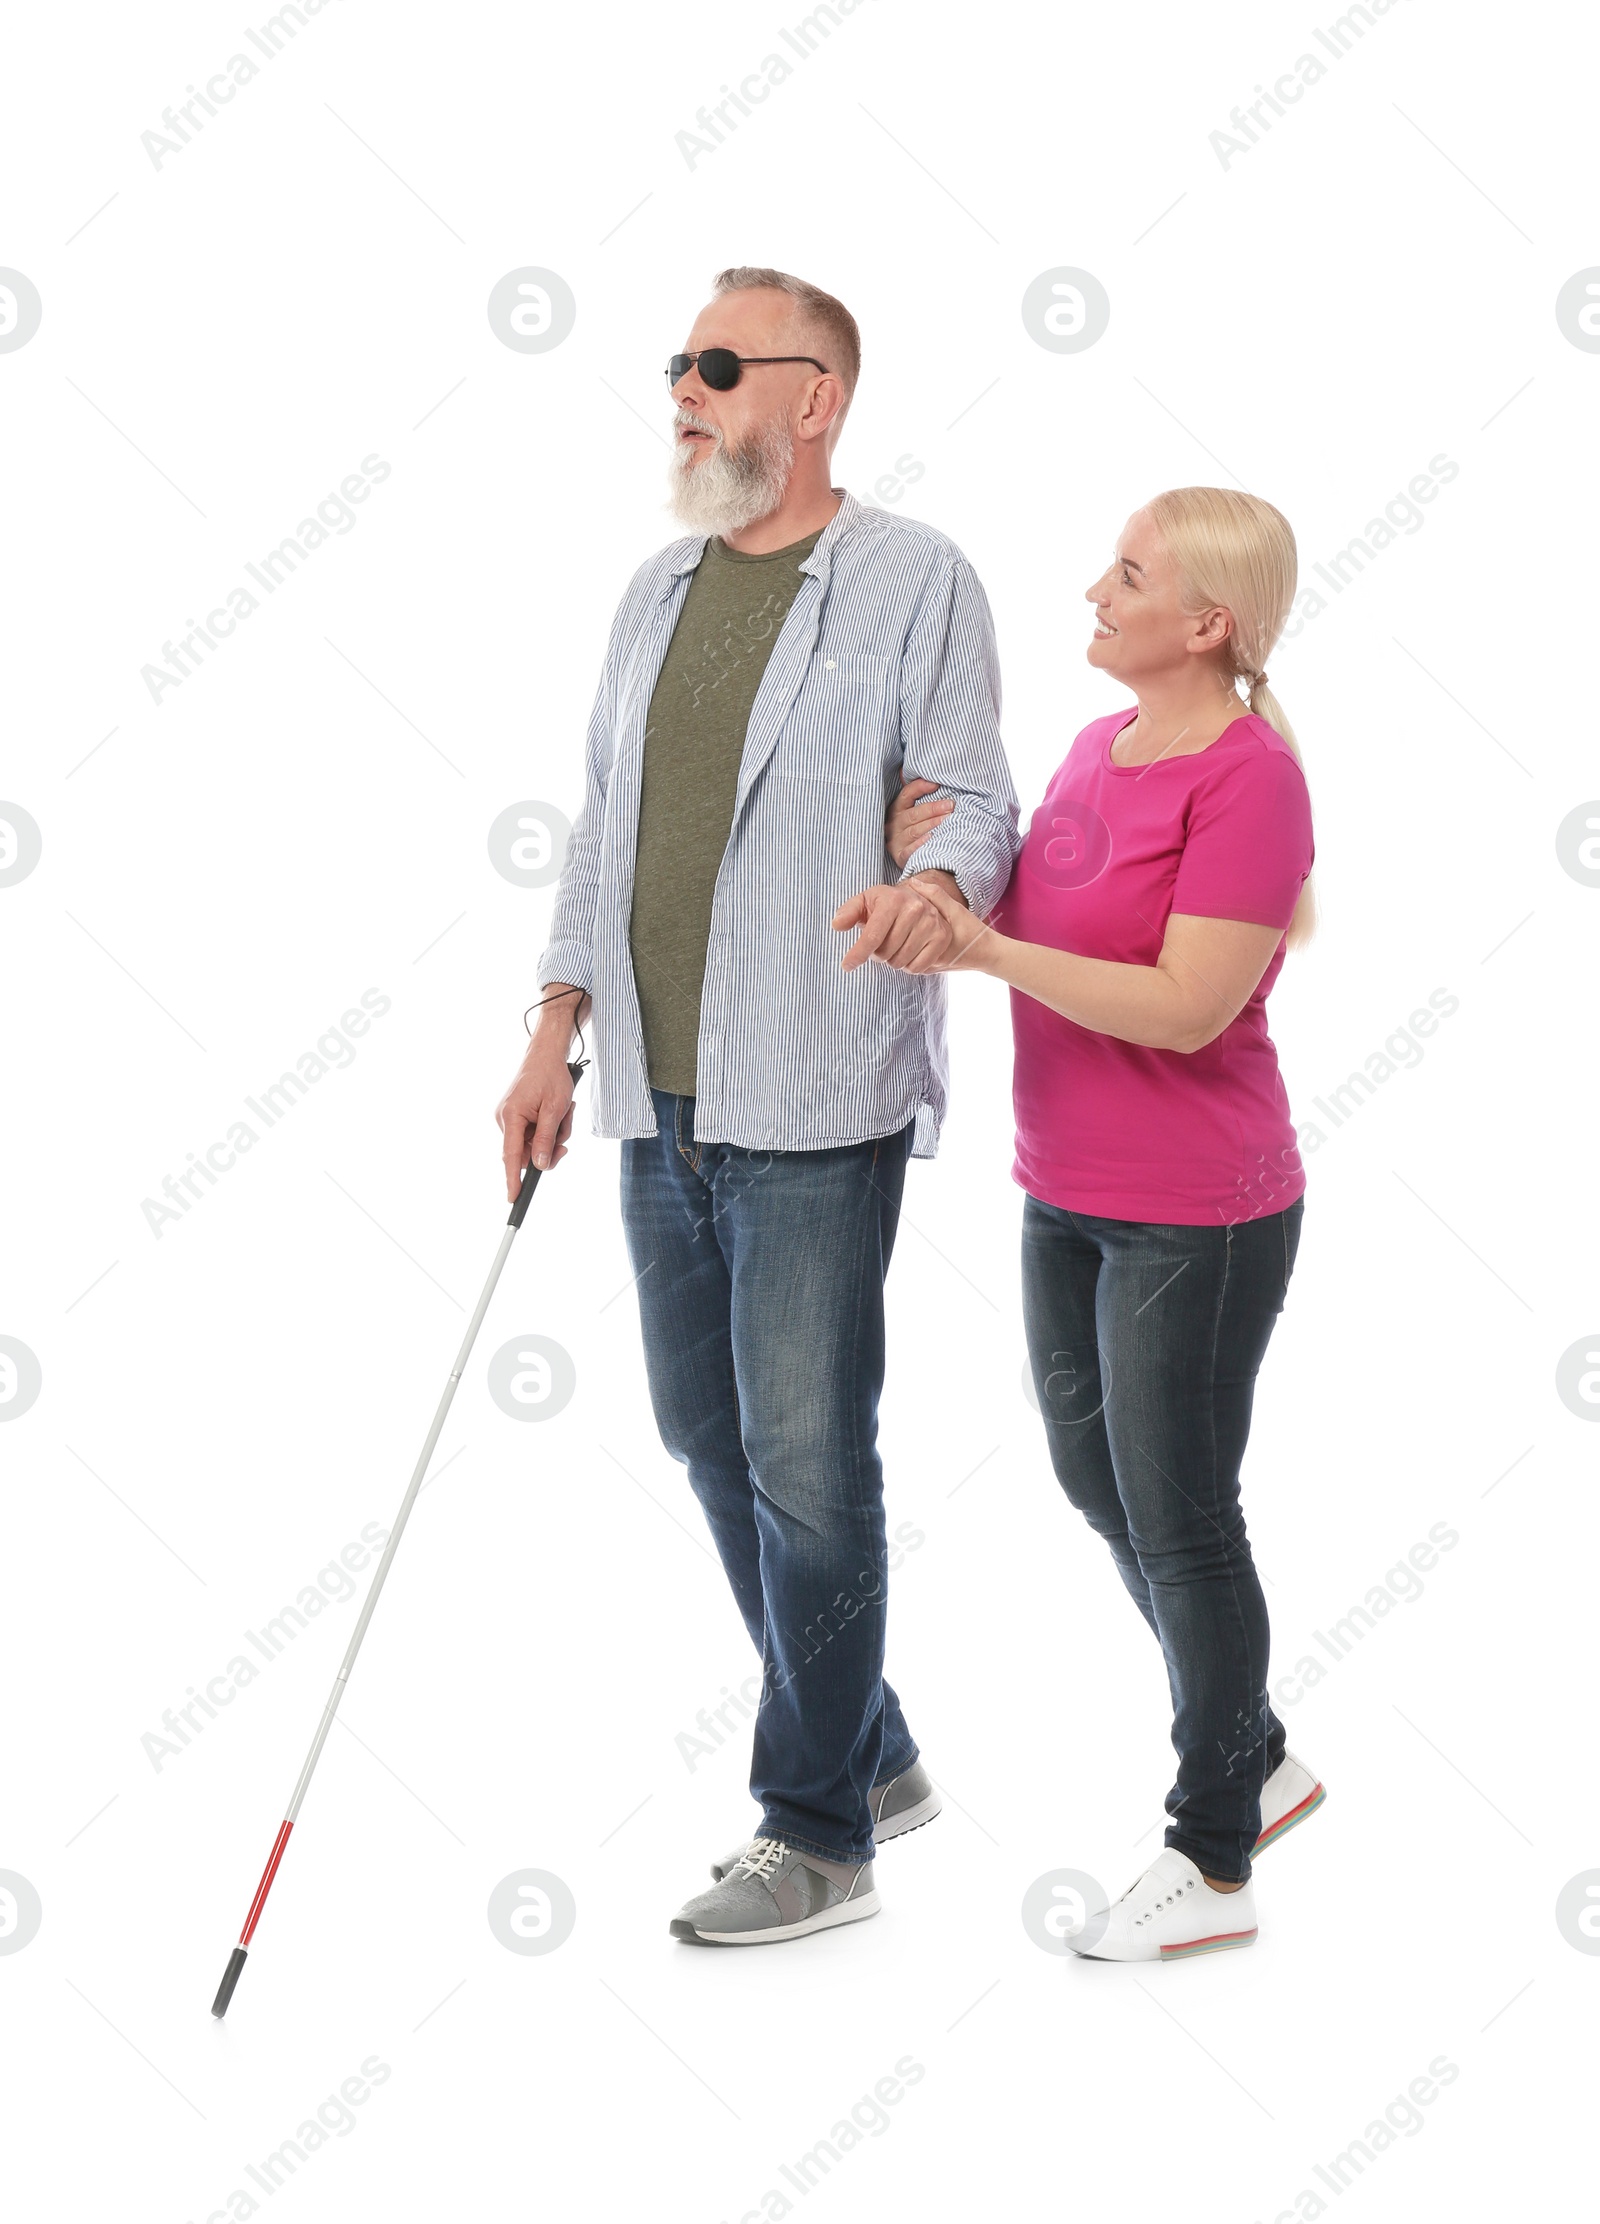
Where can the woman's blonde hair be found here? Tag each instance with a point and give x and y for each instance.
(1236, 552)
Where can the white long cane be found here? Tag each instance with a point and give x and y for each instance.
(236, 1960)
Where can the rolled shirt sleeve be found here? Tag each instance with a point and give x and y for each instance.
(950, 733)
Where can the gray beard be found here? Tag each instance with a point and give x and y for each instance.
(731, 488)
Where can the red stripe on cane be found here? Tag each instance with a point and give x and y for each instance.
(265, 1886)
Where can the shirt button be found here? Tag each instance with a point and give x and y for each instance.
(829, 665)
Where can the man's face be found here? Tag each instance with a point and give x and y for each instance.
(756, 323)
(733, 451)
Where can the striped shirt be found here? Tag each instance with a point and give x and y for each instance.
(886, 661)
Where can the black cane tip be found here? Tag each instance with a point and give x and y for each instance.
(230, 1977)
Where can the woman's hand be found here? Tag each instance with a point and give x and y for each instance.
(967, 944)
(917, 927)
(911, 820)
(899, 925)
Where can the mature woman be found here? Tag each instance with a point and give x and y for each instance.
(1163, 875)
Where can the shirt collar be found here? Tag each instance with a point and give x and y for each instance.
(842, 523)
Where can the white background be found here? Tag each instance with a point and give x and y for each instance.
(224, 1406)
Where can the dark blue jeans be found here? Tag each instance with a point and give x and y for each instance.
(760, 1279)
(1145, 1341)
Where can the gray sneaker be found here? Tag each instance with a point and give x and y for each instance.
(900, 1804)
(773, 1892)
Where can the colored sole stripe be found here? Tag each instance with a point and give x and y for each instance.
(1214, 1945)
(1307, 1806)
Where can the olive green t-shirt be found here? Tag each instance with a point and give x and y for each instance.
(693, 743)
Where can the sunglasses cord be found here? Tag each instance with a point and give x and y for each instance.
(555, 997)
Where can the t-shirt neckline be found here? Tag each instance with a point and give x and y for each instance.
(802, 547)
(1127, 771)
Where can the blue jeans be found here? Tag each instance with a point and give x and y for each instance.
(760, 1279)
(1145, 1341)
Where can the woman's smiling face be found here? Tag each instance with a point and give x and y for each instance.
(1140, 624)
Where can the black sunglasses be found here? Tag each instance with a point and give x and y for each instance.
(721, 368)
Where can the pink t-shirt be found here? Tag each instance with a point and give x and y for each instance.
(1110, 1128)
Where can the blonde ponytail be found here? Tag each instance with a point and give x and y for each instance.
(1265, 705)
(1237, 552)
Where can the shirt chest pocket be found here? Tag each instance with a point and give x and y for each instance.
(844, 722)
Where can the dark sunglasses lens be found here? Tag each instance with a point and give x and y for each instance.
(678, 366)
(719, 367)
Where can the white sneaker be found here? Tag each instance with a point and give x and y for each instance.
(1170, 1913)
(1289, 1794)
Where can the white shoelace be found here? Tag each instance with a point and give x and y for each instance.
(760, 1858)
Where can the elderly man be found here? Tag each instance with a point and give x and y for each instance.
(766, 679)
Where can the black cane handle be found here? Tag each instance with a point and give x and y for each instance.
(530, 1180)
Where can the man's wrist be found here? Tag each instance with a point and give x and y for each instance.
(946, 879)
(560, 1009)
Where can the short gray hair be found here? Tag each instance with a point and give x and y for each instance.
(835, 328)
